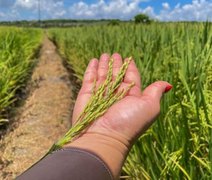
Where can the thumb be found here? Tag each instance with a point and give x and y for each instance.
(157, 89)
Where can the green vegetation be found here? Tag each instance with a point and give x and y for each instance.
(179, 144)
(114, 22)
(17, 48)
(101, 100)
(60, 23)
(142, 18)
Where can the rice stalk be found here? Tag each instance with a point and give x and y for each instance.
(101, 100)
(180, 53)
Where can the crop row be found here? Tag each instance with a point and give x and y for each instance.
(179, 144)
(17, 49)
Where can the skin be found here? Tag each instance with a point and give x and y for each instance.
(112, 135)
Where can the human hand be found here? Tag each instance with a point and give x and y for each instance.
(126, 120)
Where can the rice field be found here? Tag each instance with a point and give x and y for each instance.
(17, 49)
(179, 144)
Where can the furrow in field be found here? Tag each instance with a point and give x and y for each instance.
(43, 118)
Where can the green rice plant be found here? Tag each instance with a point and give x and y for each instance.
(179, 144)
(101, 100)
(17, 50)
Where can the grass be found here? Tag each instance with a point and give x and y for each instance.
(17, 49)
(179, 144)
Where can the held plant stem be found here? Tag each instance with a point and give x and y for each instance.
(101, 100)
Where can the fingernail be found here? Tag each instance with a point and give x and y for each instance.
(168, 88)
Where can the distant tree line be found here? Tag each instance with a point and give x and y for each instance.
(60, 22)
(140, 18)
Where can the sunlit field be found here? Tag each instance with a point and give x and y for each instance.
(179, 144)
(17, 49)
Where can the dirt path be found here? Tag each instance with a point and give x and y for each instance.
(43, 118)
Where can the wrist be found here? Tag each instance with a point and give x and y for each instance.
(111, 148)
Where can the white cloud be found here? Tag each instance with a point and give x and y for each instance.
(49, 8)
(26, 4)
(123, 9)
(149, 11)
(197, 10)
(165, 5)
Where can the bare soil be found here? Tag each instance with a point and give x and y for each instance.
(43, 118)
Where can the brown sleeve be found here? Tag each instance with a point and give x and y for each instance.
(69, 164)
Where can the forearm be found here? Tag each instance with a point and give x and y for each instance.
(112, 151)
(68, 163)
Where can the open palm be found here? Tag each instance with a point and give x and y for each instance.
(130, 116)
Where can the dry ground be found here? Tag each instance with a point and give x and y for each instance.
(42, 119)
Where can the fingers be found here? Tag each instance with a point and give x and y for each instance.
(134, 91)
(89, 77)
(157, 89)
(86, 89)
(117, 63)
(103, 67)
(133, 75)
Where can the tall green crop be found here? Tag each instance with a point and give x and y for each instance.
(179, 144)
(17, 47)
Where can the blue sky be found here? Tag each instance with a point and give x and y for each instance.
(164, 10)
